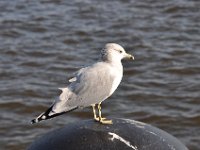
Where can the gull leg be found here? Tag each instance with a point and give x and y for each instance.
(94, 112)
(101, 119)
(99, 109)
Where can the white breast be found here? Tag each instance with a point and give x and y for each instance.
(117, 73)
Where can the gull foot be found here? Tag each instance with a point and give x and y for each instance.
(98, 119)
(103, 120)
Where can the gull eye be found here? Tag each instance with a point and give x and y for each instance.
(121, 51)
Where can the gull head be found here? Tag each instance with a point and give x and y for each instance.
(114, 52)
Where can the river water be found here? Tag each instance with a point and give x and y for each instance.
(42, 42)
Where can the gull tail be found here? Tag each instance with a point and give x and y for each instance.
(46, 115)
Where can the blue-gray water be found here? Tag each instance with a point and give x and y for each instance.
(42, 42)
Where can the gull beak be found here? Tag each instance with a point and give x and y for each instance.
(129, 56)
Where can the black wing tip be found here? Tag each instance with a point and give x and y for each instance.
(45, 116)
(33, 121)
(38, 119)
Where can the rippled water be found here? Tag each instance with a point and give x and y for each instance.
(42, 42)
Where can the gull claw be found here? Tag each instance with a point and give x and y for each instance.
(103, 120)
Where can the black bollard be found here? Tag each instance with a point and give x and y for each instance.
(123, 134)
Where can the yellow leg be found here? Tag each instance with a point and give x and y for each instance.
(101, 119)
(94, 112)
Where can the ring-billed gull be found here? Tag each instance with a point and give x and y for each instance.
(91, 85)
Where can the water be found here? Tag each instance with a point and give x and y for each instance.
(43, 42)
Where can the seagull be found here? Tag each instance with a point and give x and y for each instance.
(91, 85)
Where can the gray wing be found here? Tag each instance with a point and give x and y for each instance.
(75, 75)
(92, 84)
